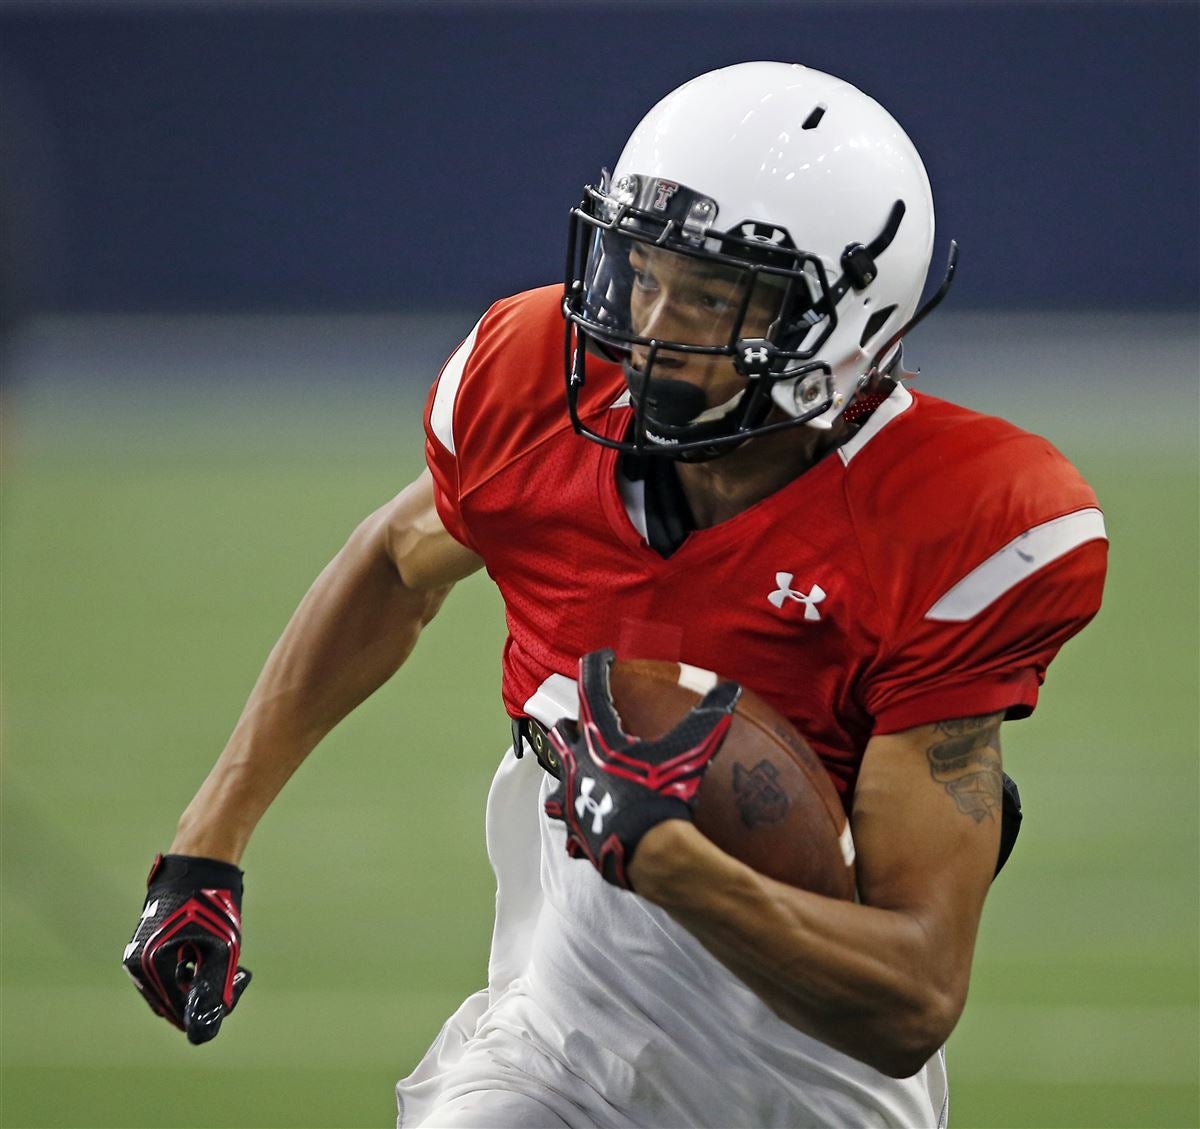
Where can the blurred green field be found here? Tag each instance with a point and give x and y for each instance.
(154, 542)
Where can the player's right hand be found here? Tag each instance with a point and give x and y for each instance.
(615, 787)
(184, 953)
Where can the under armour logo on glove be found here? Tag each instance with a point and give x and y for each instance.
(585, 803)
(626, 785)
(183, 956)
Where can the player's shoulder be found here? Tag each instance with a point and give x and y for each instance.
(503, 357)
(500, 386)
(501, 392)
(529, 320)
(939, 494)
(938, 466)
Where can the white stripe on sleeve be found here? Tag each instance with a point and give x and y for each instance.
(441, 415)
(1020, 558)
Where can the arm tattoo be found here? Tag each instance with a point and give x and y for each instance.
(965, 760)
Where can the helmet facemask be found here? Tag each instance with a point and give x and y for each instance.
(655, 285)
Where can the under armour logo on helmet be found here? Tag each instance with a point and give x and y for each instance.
(585, 803)
(783, 592)
(755, 356)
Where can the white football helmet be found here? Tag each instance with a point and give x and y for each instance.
(776, 181)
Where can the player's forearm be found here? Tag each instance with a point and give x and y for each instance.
(862, 979)
(353, 629)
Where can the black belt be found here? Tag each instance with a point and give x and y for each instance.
(526, 731)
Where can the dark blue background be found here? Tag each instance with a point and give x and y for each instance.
(363, 156)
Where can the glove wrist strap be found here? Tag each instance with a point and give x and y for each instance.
(196, 873)
(631, 827)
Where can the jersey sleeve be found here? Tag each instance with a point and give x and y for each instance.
(441, 447)
(984, 647)
(498, 396)
(983, 568)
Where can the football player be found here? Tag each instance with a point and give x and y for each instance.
(743, 481)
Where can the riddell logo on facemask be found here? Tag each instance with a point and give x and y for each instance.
(663, 191)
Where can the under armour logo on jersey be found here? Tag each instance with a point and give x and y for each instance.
(598, 809)
(784, 592)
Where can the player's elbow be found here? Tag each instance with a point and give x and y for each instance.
(915, 1036)
(903, 1062)
(896, 1040)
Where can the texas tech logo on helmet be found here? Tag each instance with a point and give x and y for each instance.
(663, 191)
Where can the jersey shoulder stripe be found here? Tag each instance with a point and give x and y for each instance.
(441, 412)
(500, 395)
(938, 492)
(1016, 561)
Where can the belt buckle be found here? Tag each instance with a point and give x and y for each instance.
(527, 731)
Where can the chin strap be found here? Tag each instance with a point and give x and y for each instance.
(863, 407)
(874, 388)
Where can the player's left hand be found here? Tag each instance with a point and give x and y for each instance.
(615, 787)
(183, 957)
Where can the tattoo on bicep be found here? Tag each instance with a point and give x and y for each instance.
(965, 760)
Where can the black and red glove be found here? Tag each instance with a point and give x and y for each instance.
(613, 788)
(184, 953)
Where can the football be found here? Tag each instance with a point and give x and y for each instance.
(766, 799)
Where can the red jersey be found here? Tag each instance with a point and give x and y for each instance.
(930, 568)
